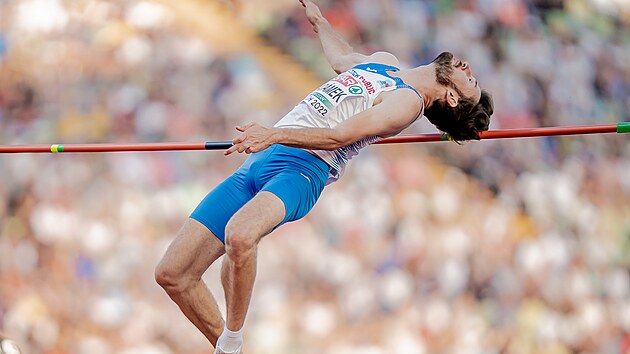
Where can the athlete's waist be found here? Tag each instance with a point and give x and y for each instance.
(304, 155)
(314, 153)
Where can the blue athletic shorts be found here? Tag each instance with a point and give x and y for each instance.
(294, 175)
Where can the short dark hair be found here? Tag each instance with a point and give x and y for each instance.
(464, 121)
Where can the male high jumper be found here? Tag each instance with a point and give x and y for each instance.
(291, 163)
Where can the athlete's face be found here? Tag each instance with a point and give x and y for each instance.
(454, 73)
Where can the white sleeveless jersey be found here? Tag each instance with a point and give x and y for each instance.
(344, 96)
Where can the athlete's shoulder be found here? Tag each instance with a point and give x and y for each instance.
(382, 58)
(406, 97)
(407, 103)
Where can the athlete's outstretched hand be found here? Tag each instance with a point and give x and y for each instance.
(253, 138)
(312, 12)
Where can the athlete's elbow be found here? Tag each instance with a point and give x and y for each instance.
(337, 140)
(338, 67)
(333, 146)
(345, 61)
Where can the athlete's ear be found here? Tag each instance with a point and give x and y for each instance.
(452, 97)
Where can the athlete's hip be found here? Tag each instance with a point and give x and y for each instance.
(284, 159)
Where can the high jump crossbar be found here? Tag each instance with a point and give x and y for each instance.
(623, 127)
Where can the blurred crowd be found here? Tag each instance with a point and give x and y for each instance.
(513, 246)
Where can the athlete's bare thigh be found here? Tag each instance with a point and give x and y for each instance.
(191, 253)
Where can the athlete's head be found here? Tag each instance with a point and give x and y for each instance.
(465, 109)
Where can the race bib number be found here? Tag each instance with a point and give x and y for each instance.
(329, 95)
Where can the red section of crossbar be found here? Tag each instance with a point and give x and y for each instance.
(509, 133)
(103, 147)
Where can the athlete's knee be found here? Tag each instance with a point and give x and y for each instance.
(170, 280)
(240, 242)
(164, 276)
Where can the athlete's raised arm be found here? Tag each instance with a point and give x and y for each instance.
(339, 53)
(388, 118)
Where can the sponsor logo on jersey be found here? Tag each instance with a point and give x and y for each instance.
(367, 84)
(346, 80)
(384, 83)
(355, 90)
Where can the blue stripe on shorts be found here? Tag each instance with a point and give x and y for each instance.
(294, 175)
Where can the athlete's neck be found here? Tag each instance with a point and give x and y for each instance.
(422, 79)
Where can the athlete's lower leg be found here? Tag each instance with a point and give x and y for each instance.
(180, 271)
(238, 274)
(243, 232)
(199, 306)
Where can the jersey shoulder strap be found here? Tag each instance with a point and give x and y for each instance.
(382, 69)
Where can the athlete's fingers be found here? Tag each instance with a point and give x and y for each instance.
(242, 146)
(238, 139)
(243, 128)
(230, 150)
(237, 147)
